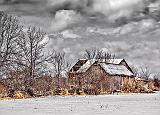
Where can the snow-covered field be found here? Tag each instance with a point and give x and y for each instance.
(137, 104)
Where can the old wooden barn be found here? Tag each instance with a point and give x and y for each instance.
(100, 76)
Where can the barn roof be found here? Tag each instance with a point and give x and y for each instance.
(113, 61)
(87, 65)
(113, 69)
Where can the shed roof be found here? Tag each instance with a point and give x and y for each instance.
(113, 69)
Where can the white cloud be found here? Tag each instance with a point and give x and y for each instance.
(114, 9)
(146, 25)
(139, 27)
(67, 50)
(64, 18)
(45, 40)
(69, 34)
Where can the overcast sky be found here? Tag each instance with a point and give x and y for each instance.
(130, 28)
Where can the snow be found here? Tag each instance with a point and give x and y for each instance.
(116, 69)
(114, 61)
(131, 104)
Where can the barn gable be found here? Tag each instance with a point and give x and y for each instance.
(86, 66)
(78, 65)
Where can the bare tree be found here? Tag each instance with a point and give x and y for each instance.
(156, 76)
(60, 65)
(134, 70)
(91, 53)
(31, 55)
(10, 30)
(145, 73)
(59, 62)
(95, 53)
(108, 56)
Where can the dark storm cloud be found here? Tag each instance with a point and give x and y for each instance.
(112, 9)
(118, 12)
(20, 1)
(77, 5)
